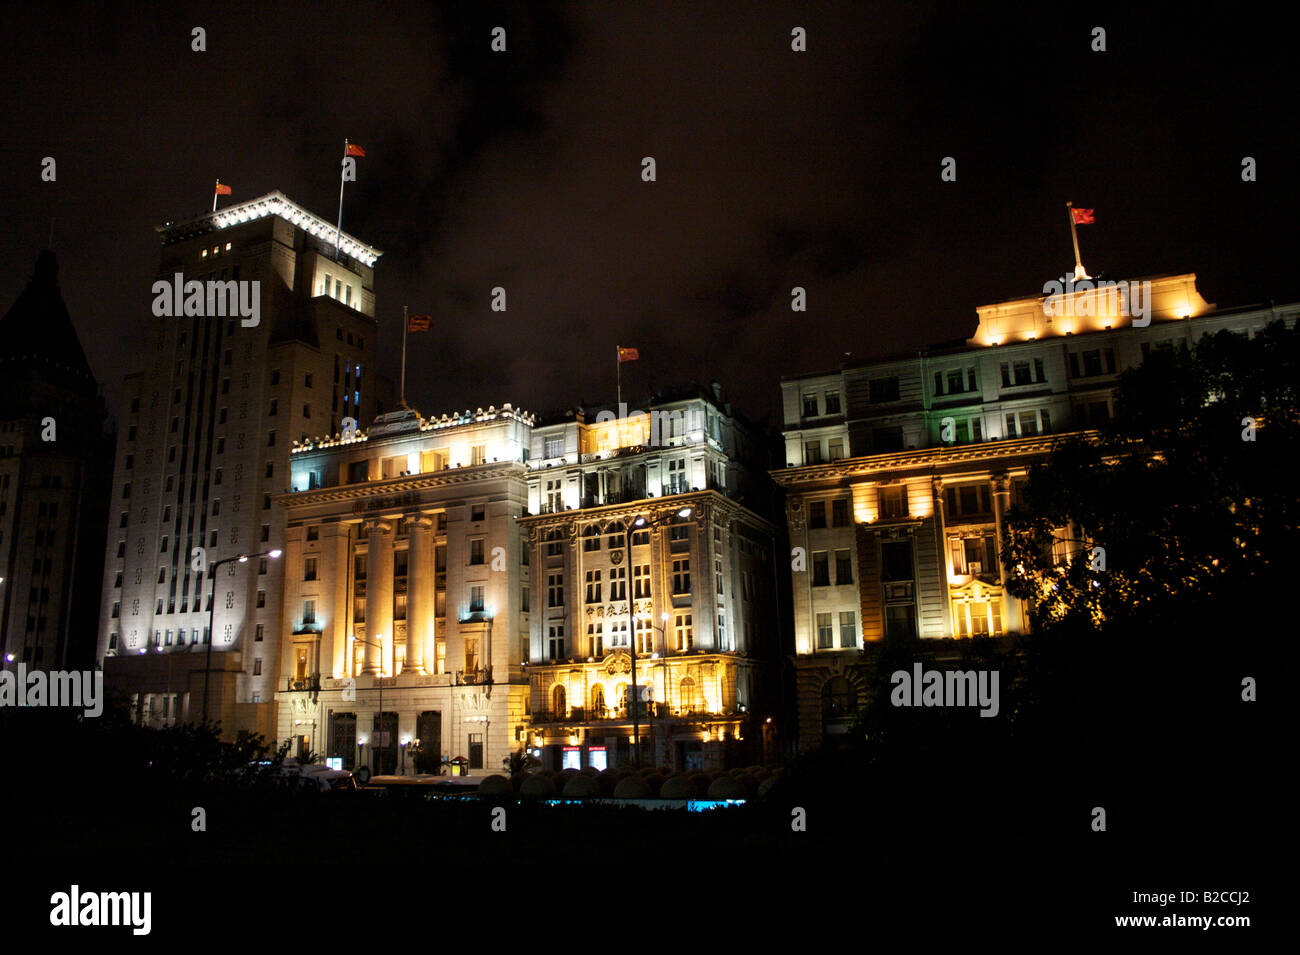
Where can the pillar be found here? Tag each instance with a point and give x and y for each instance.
(379, 597)
(420, 610)
(1001, 504)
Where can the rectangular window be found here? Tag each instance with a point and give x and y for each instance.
(641, 581)
(896, 561)
(821, 569)
(476, 599)
(618, 583)
(555, 644)
(593, 586)
(848, 629)
(840, 512)
(816, 515)
(309, 569)
(893, 502)
(835, 449)
(681, 576)
(832, 402)
(555, 590)
(812, 452)
(477, 512)
(308, 611)
(554, 447)
(810, 406)
(685, 636)
(825, 632)
(843, 567)
(476, 551)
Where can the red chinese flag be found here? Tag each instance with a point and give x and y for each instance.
(355, 150)
(1083, 216)
(419, 323)
(222, 190)
(627, 354)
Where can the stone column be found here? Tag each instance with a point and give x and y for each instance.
(1001, 504)
(420, 595)
(379, 597)
(945, 553)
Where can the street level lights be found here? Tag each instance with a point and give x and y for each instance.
(641, 521)
(212, 606)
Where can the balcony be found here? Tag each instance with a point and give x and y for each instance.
(653, 712)
(309, 684)
(481, 676)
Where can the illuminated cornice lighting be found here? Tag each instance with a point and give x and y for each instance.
(276, 204)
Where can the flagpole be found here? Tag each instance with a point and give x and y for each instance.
(214, 197)
(338, 232)
(405, 325)
(618, 355)
(1079, 273)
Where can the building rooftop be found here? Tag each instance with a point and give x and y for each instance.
(272, 204)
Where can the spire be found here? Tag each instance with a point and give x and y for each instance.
(37, 334)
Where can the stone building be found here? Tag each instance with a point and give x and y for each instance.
(406, 608)
(899, 471)
(653, 567)
(55, 463)
(256, 331)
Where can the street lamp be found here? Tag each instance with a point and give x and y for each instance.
(641, 521)
(212, 606)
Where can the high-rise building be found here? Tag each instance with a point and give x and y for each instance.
(55, 462)
(899, 472)
(263, 332)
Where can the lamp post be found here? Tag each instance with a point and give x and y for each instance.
(212, 607)
(641, 521)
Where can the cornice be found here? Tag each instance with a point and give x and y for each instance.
(984, 452)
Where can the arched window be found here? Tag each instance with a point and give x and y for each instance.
(839, 699)
(558, 702)
(689, 696)
(597, 702)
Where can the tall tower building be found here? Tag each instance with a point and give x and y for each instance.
(262, 332)
(54, 467)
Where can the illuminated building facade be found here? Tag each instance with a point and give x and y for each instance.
(899, 472)
(405, 614)
(204, 437)
(690, 603)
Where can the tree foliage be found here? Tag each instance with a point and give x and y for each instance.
(1187, 490)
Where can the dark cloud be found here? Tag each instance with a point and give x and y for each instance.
(775, 169)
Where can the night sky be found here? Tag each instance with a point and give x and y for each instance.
(775, 169)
